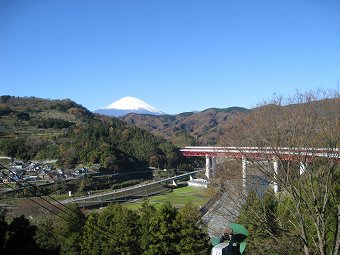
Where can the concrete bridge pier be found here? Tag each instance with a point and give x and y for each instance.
(303, 167)
(213, 166)
(244, 173)
(276, 175)
(207, 166)
(210, 166)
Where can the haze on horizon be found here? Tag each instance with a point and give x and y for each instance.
(176, 55)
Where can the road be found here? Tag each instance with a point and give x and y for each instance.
(137, 190)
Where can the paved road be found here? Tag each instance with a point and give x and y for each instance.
(116, 193)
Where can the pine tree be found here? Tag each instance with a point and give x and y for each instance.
(122, 225)
(263, 219)
(69, 232)
(92, 236)
(163, 233)
(21, 237)
(145, 216)
(3, 230)
(46, 235)
(193, 239)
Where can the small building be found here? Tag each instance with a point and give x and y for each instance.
(60, 171)
(17, 165)
(80, 171)
(7, 180)
(202, 183)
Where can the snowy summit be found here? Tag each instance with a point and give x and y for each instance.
(127, 105)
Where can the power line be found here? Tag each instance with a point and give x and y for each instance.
(76, 223)
(36, 201)
(100, 228)
(37, 189)
(58, 215)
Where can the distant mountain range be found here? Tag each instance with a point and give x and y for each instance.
(189, 128)
(128, 105)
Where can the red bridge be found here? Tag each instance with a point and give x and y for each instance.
(302, 155)
(291, 154)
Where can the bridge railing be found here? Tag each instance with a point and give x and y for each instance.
(284, 153)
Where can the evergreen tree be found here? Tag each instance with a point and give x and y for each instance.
(163, 233)
(69, 232)
(260, 216)
(21, 237)
(270, 205)
(145, 216)
(45, 236)
(92, 238)
(248, 217)
(193, 238)
(3, 230)
(122, 225)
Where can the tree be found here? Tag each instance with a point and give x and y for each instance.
(3, 230)
(21, 237)
(144, 222)
(193, 238)
(91, 243)
(45, 235)
(163, 233)
(23, 116)
(122, 230)
(14, 148)
(69, 230)
(310, 199)
(259, 216)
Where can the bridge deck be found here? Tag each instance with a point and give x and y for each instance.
(283, 153)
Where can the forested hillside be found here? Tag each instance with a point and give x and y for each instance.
(190, 128)
(35, 128)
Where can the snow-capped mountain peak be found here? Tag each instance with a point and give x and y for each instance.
(131, 103)
(127, 105)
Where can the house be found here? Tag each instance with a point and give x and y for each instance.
(7, 180)
(82, 170)
(17, 165)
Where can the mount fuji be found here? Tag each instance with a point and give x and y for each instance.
(127, 105)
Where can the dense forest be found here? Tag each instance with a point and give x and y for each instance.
(34, 128)
(114, 230)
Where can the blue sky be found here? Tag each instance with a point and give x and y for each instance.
(177, 55)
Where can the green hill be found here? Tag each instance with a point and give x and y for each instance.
(35, 128)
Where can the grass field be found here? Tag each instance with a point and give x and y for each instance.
(178, 197)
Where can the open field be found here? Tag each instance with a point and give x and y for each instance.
(178, 197)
